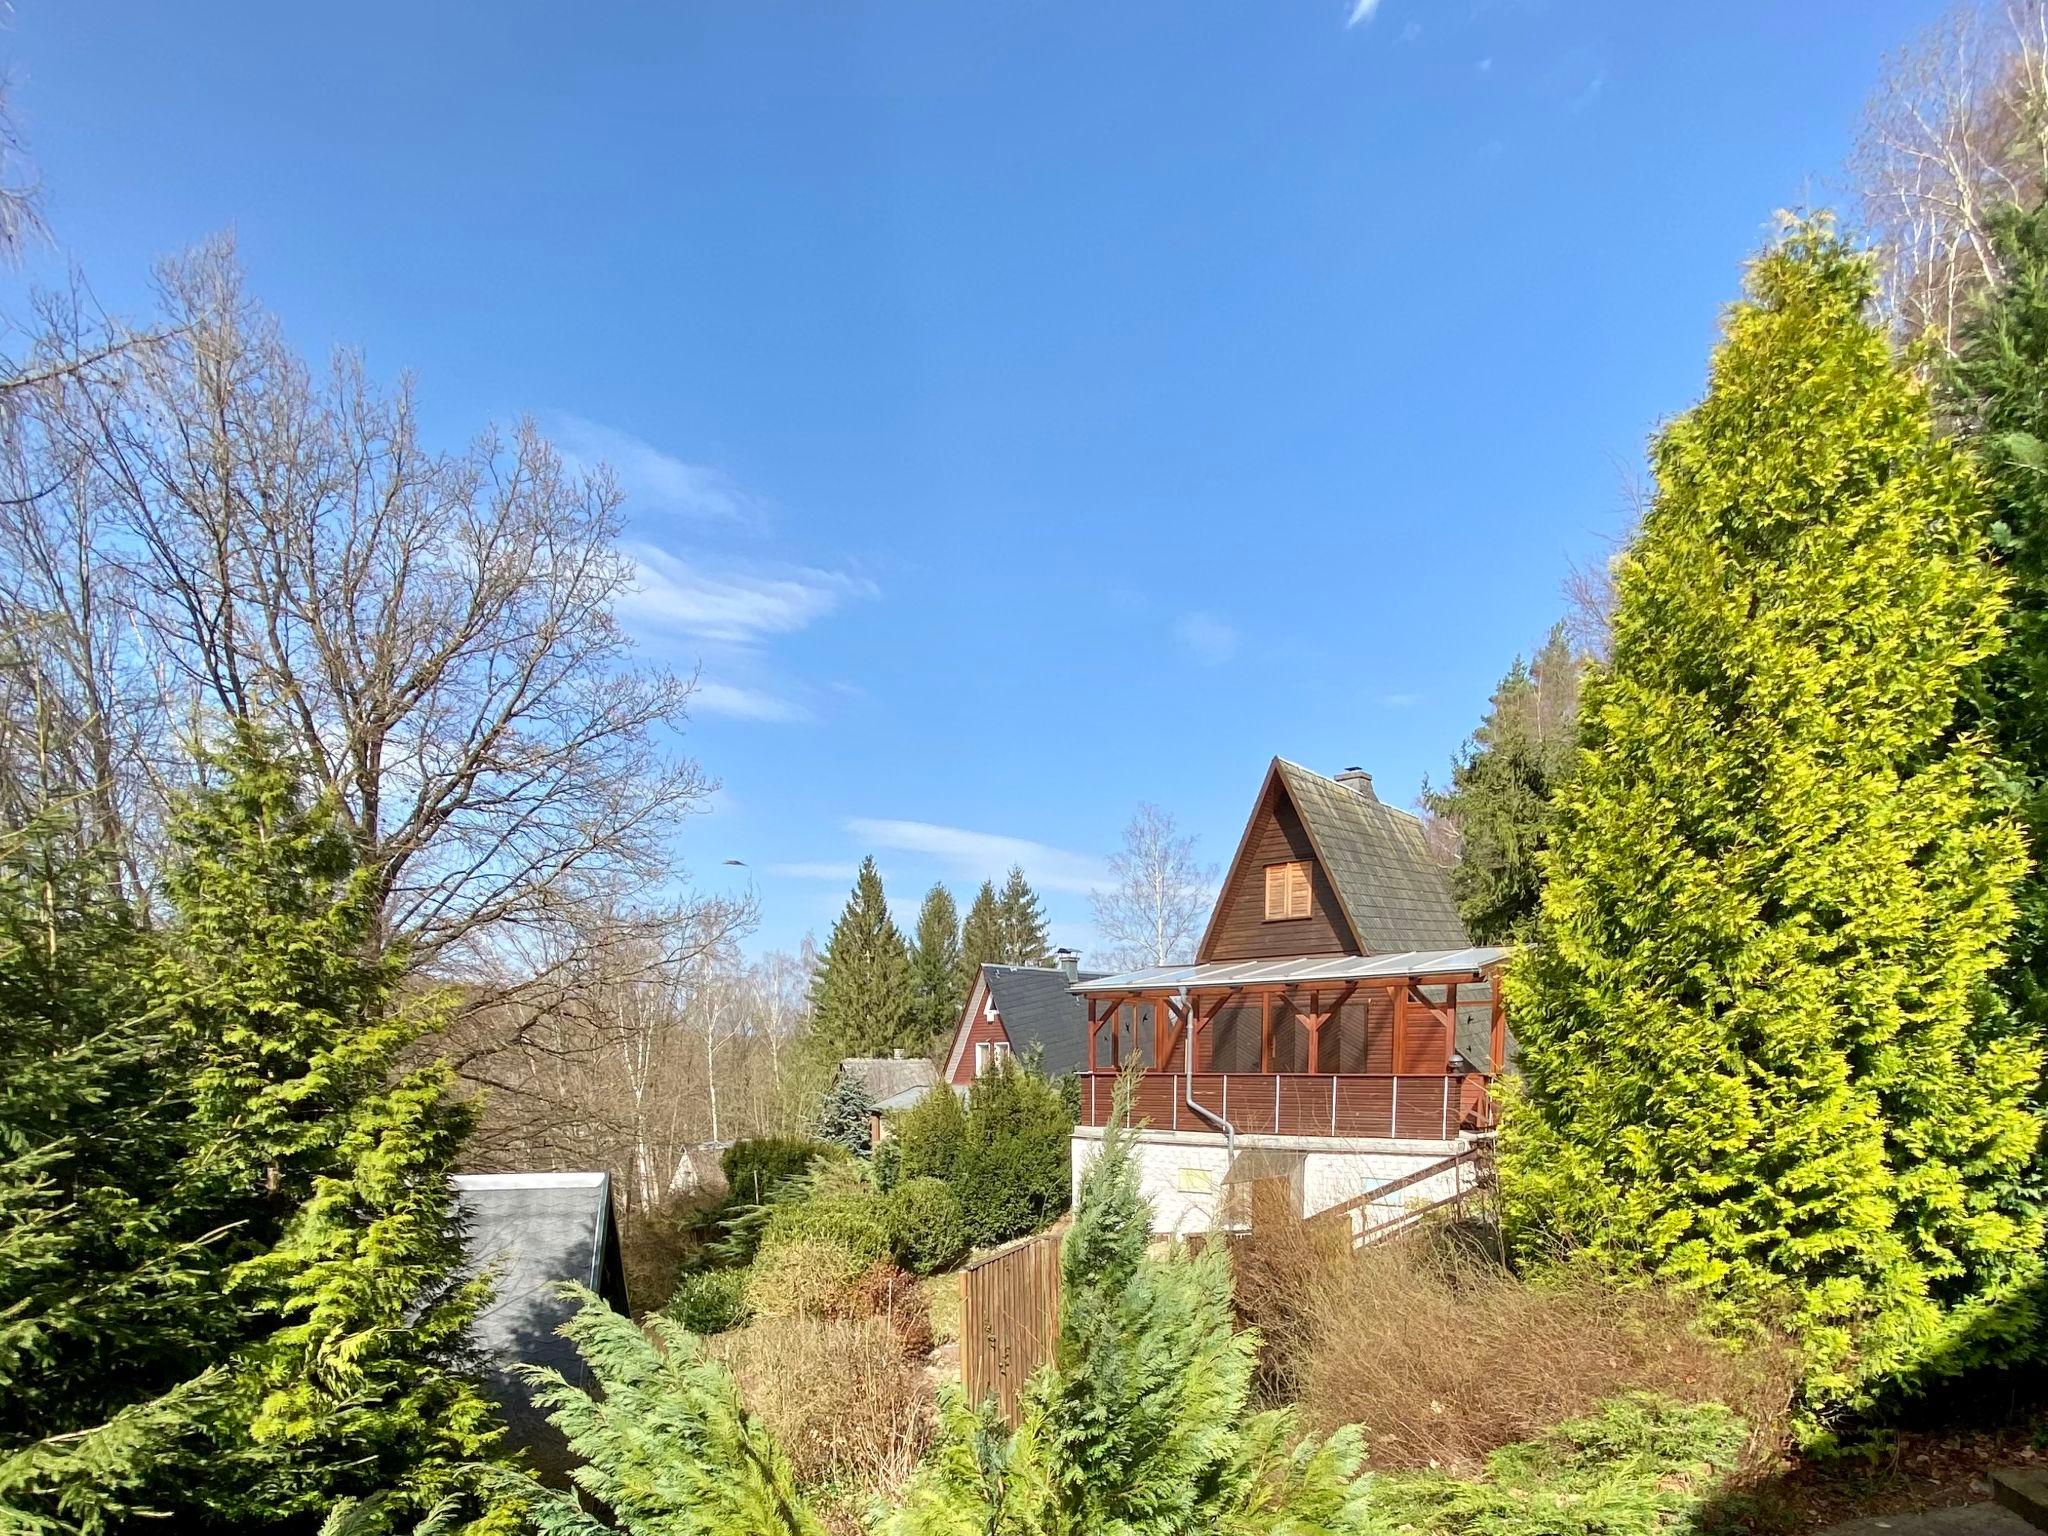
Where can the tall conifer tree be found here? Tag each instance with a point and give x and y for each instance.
(981, 936)
(937, 975)
(1499, 797)
(1778, 878)
(860, 1000)
(1020, 923)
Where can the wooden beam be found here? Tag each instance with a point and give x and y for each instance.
(1094, 1029)
(1265, 1031)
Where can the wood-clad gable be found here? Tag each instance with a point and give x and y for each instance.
(1238, 928)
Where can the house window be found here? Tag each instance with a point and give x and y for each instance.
(988, 1054)
(1286, 891)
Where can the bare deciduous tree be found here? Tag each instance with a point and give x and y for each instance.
(1958, 129)
(1153, 913)
(233, 536)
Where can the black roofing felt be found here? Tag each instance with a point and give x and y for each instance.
(1040, 1013)
(532, 1231)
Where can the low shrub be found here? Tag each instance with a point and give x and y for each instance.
(927, 1228)
(1015, 1170)
(898, 1300)
(710, 1301)
(1636, 1467)
(856, 1222)
(759, 1165)
(804, 1276)
(838, 1395)
(929, 1135)
(1443, 1356)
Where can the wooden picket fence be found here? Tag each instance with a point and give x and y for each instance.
(1009, 1318)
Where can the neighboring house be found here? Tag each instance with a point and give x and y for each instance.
(1336, 1030)
(1019, 1010)
(892, 1083)
(530, 1232)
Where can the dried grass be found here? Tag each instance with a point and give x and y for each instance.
(851, 1411)
(1443, 1355)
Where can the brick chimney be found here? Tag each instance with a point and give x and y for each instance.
(1359, 782)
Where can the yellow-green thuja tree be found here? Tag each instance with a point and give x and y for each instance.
(1750, 1022)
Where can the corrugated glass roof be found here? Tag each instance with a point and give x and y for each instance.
(1241, 973)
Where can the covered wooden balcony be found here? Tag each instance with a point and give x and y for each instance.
(1394, 1047)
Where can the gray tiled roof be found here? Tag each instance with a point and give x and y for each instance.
(533, 1230)
(1039, 1012)
(886, 1077)
(1395, 896)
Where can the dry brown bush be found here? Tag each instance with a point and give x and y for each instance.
(838, 1394)
(1443, 1355)
(897, 1299)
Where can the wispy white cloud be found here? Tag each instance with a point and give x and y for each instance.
(801, 870)
(983, 855)
(737, 703)
(653, 479)
(1399, 700)
(1485, 65)
(674, 594)
(1362, 11)
(1208, 637)
(1411, 32)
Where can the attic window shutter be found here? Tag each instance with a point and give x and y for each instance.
(1286, 891)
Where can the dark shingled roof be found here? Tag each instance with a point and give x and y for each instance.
(1395, 896)
(885, 1077)
(532, 1231)
(1040, 1013)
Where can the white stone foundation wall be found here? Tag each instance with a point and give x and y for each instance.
(1182, 1173)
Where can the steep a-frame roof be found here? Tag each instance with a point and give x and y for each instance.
(1393, 896)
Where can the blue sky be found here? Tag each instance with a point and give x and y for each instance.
(1030, 409)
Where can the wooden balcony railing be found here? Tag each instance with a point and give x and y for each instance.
(1404, 1108)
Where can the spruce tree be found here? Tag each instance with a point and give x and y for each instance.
(937, 978)
(860, 999)
(843, 1119)
(1778, 878)
(1020, 923)
(981, 937)
(1501, 788)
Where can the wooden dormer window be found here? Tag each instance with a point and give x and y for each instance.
(1286, 891)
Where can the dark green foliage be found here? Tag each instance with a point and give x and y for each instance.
(938, 976)
(1501, 787)
(1638, 1467)
(857, 1223)
(756, 1167)
(860, 999)
(104, 1282)
(981, 936)
(929, 1136)
(927, 1228)
(1021, 933)
(710, 1301)
(843, 1119)
(1014, 1173)
(1753, 1051)
(1997, 386)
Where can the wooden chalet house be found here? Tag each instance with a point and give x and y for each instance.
(1337, 1028)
